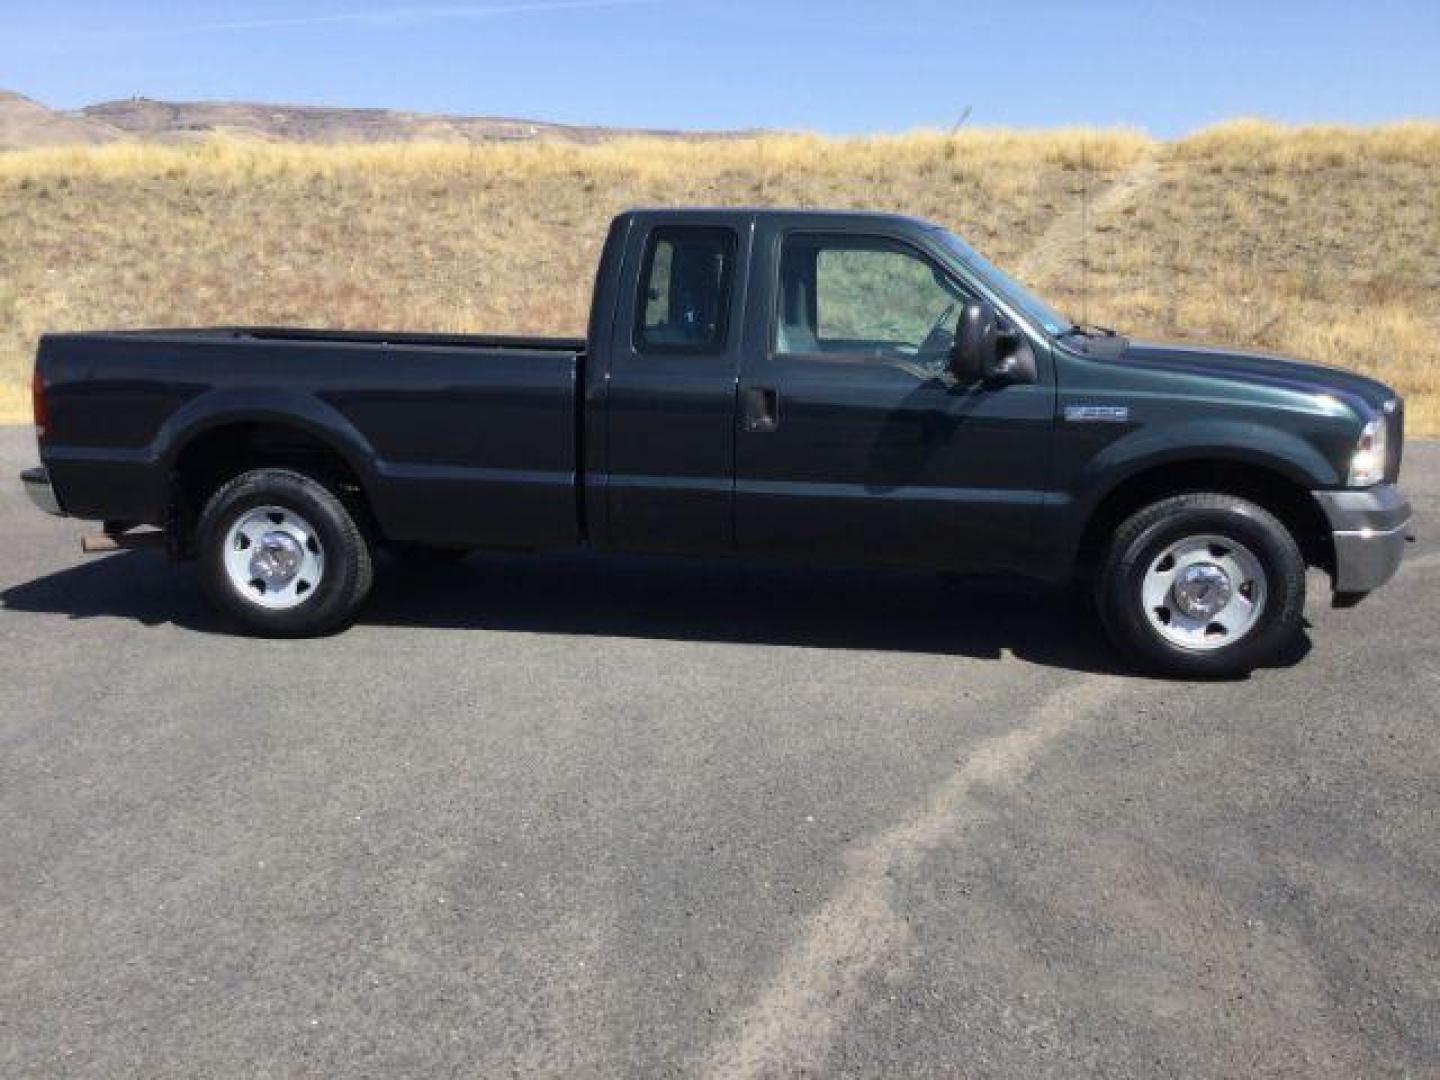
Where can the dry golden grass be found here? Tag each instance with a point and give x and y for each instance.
(14, 401)
(1320, 242)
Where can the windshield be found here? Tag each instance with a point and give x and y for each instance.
(1019, 296)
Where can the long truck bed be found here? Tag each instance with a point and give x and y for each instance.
(455, 437)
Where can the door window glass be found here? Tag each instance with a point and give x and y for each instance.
(685, 290)
(857, 295)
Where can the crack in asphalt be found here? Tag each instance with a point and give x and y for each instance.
(790, 1025)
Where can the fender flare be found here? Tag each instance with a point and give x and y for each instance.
(1231, 441)
(1192, 442)
(283, 408)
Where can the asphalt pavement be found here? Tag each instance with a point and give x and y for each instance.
(610, 817)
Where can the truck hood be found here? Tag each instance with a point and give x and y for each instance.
(1259, 369)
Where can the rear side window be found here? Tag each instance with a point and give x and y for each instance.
(685, 290)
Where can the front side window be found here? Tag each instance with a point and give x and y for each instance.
(848, 295)
(685, 290)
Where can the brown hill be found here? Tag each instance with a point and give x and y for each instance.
(25, 123)
(170, 122)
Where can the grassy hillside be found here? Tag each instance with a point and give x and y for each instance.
(1319, 242)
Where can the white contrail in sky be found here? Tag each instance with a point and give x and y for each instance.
(392, 17)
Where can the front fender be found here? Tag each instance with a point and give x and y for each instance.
(1235, 442)
(1277, 451)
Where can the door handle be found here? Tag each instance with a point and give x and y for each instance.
(762, 409)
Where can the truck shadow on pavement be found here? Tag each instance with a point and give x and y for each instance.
(739, 602)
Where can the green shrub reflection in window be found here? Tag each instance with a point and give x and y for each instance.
(876, 296)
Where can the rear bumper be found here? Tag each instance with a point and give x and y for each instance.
(37, 485)
(1370, 528)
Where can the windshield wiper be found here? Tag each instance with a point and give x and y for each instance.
(1088, 330)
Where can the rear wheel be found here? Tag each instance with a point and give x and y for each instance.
(281, 555)
(1203, 585)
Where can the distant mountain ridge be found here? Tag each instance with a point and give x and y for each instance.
(26, 123)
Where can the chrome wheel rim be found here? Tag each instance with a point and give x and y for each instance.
(1204, 592)
(274, 558)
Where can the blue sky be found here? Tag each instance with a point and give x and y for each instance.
(841, 66)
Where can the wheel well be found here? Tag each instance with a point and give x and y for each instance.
(1290, 502)
(223, 453)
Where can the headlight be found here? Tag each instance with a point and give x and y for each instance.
(1367, 467)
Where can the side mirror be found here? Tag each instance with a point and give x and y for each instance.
(977, 344)
(986, 353)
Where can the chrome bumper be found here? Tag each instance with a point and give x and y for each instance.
(1370, 527)
(37, 485)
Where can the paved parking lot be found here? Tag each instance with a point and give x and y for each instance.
(610, 817)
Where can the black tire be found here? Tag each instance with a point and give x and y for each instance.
(1142, 539)
(425, 557)
(348, 567)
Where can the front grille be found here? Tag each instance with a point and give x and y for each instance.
(1395, 439)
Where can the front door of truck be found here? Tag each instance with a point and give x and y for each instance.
(854, 442)
(670, 395)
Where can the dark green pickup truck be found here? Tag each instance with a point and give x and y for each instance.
(837, 386)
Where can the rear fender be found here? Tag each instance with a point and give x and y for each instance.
(285, 408)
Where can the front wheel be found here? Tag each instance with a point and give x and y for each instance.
(1203, 585)
(280, 553)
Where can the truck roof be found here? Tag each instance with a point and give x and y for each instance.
(703, 213)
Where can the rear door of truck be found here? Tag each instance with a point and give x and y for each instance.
(666, 475)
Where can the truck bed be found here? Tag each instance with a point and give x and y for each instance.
(457, 438)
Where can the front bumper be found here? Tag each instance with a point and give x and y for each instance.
(1370, 527)
(37, 485)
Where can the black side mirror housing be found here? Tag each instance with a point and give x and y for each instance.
(987, 352)
(976, 342)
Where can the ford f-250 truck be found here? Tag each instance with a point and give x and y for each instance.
(836, 386)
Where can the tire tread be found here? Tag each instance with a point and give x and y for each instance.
(1285, 589)
(355, 560)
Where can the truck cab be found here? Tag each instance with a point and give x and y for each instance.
(781, 384)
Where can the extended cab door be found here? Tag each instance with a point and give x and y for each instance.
(669, 398)
(854, 441)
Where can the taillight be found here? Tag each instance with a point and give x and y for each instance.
(42, 411)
